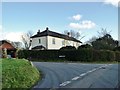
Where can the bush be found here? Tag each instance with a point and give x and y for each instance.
(84, 54)
(38, 54)
(85, 46)
(68, 48)
(110, 55)
(23, 54)
(117, 56)
(70, 55)
(117, 49)
(103, 55)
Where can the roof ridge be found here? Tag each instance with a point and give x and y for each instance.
(8, 41)
(48, 32)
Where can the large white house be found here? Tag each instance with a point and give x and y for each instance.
(52, 40)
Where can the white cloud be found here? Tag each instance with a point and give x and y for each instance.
(83, 25)
(13, 36)
(2, 35)
(0, 27)
(112, 2)
(76, 17)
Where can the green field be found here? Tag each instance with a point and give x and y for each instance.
(18, 73)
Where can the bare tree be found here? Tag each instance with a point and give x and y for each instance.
(17, 44)
(91, 40)
(26, 39)
(74, 34)
(103, 32)
(103, 41)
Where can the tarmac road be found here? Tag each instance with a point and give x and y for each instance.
(77, 75)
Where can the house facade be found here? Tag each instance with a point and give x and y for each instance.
(52, 40)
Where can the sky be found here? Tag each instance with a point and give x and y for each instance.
(85, 17)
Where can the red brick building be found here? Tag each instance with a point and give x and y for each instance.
(4, 44)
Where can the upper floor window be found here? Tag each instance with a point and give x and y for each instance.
(67, 43)
(53, 41)
(39, 40)
(63, 42)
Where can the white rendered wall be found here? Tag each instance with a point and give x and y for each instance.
(58, 43)
(35, 41)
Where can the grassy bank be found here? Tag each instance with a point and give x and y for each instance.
(18, 73)
(0, 74)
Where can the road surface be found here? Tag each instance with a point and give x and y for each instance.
(77, 75)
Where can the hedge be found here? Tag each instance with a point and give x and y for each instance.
(117, 56)
(68, 48)
(38, 55)
(103, 55)
(83, 54)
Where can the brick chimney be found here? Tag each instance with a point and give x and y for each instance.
(47, 28)
(68, 34)
(38, 31)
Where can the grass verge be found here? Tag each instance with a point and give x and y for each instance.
(0, 74)
(18, 73)
(66, 61)
(102, 62)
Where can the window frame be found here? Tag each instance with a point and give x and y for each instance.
(53, 40)
(39, 41)
(63, 42)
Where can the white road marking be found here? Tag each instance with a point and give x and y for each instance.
(75, 78)
(81, 75)
(103, 66)
(93, 69)
(88, 72)
(65, 83)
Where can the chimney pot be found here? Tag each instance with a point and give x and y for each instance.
(47, 28)
(68, 34)
(38, 31)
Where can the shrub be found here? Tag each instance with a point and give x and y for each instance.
(85, 46)
(38, 54)
(84, 54)
(117, 49)
(68, 48)
(117, 56)
(103, 55)
(70, 55)
(23, 54)
(111, 55)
